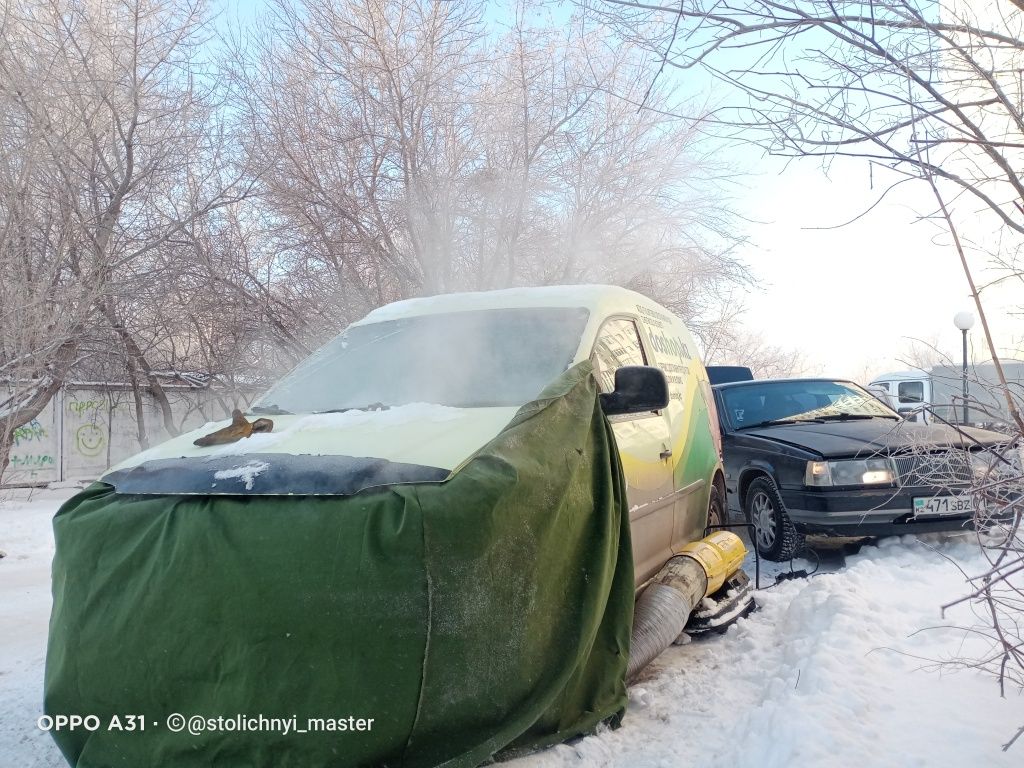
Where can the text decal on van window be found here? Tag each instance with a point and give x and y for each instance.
(657, 319)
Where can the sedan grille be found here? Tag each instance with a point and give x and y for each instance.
(948, 468)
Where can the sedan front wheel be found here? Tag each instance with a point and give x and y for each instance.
(774, 535)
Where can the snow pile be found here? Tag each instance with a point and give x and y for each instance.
(833, 671)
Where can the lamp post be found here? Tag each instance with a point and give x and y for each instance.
(964, 321)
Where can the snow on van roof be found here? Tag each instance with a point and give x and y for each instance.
(592, 297)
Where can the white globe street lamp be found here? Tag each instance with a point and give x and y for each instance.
(964, 321)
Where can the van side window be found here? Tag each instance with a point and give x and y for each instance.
(618, 344)
(911, 391)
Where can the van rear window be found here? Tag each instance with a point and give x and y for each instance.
(500, 357)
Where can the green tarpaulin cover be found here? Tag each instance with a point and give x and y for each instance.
(484, 614)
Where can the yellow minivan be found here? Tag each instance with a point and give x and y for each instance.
(470, 519)
(439, 377)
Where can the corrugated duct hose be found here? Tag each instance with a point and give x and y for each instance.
(665, 605)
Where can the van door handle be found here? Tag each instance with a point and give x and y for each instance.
(666, 454)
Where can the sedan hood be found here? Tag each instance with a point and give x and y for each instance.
(836, 439)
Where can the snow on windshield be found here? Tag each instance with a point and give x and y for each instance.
(501, 357)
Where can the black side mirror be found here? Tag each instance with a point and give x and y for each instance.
(638, 388)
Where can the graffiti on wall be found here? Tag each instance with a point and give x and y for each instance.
(90, 431)
(29, 433)
(90, 440)
(86, 407)
(32, 450)
(87, 431)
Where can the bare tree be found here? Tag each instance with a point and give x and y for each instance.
(737, 346)
(106, 156)
(923, 354)
(397, 149)
(403, 150)
(920, 89)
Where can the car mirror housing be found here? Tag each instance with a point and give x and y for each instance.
(638, 389)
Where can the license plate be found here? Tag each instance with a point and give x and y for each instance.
(943, 505)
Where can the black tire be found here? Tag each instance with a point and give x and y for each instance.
(717, 514)
(774, 535)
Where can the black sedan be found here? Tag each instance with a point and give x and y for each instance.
(825, 457)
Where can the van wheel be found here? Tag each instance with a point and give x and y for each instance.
(716, 508)
(774, 535)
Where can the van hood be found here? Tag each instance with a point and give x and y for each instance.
(327, 454)
(836, 439)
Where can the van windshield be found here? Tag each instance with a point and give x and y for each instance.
(501, 357)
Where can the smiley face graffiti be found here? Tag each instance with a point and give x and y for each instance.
(90, 440)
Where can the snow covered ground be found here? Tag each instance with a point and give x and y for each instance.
(832, 671)
(27, 540)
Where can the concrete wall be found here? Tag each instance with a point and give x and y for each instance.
(86, 429)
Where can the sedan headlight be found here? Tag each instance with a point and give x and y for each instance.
(850, 472)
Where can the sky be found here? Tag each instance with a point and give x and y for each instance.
(852, 299)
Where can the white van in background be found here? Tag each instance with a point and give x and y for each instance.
(936, 395)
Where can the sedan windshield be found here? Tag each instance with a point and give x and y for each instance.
(502, 357)
(773, 402)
